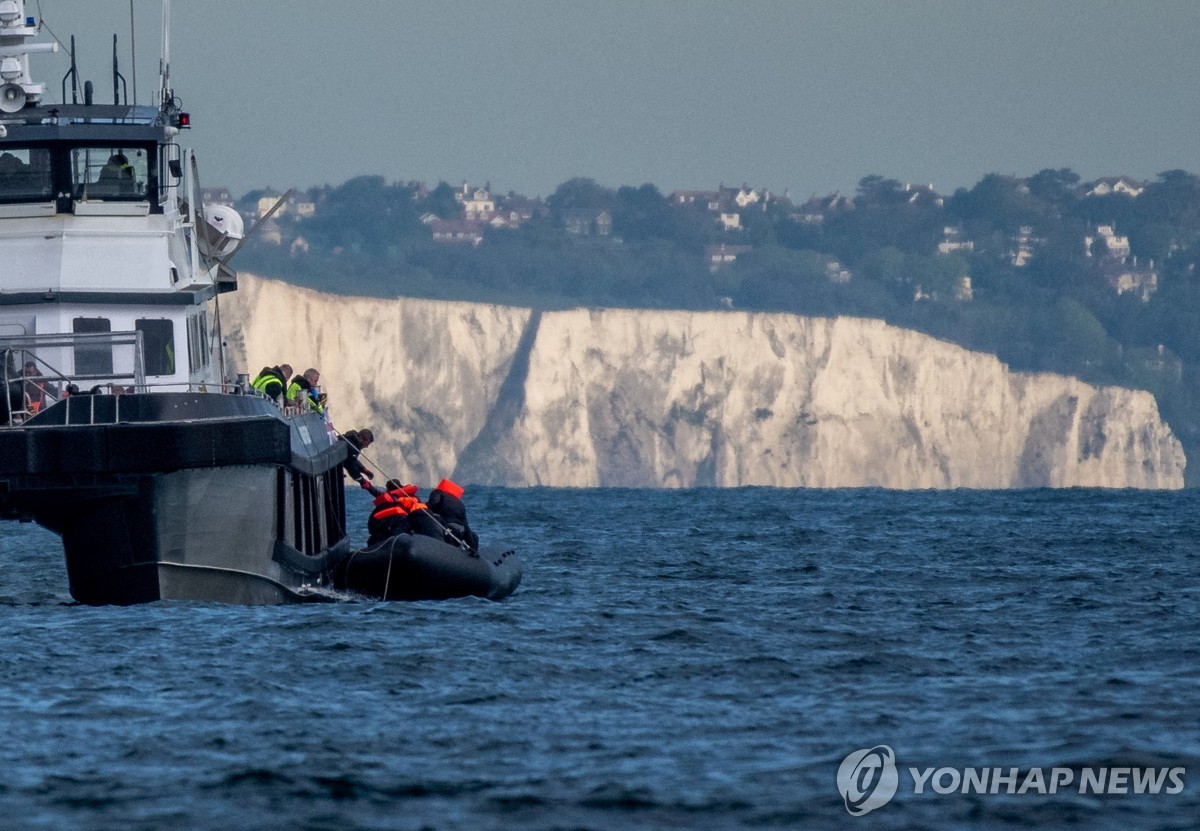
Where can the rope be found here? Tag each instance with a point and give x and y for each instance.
(361, 452)
(446, 532)
(387, 582)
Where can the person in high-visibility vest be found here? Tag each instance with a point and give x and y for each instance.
(303, 390)
(272, 381)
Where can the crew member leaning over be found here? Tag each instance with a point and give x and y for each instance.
(303, 391)
(273, 380)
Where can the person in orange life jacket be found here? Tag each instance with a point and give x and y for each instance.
(357, 441)
(37, 388)
(445, 502)
(393, 511)
(398, 510)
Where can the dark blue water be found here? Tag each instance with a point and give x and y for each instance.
(690, 660)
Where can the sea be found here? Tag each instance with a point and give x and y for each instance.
(690, 659)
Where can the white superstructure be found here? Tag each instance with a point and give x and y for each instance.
(99, 221)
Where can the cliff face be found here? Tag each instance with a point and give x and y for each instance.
(502, 395)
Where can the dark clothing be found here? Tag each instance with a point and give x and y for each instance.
(449, 508)
(35, 388)
(270, 382)
(301, 390)
(424, 523)
(11, 402)
(355, 469)
(381, 528)
(452, 513)
(392, 514)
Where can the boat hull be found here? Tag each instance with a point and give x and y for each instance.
(228, 501)
(415, 567)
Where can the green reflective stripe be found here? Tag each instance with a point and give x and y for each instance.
(261, 382)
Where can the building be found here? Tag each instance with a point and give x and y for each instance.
(216, 196)
(1114, 184)
(1024, 244)
(953, 240)
(517, 210)
(299, 206)
(814, 211)
(1141, 282)
(708, 199)
(837, 273)
(745, 197)
(456, 231)
(267, 201)
(271, 233)
(477, 202)
(1107, 243)
(589, 223)
(731, 221)
(720, 256)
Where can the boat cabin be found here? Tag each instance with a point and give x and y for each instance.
(104, 281)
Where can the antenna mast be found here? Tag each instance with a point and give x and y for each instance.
(133, 51)
(164, 62)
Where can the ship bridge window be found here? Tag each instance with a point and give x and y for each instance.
(111, 172)
(93, 358)
(25, 174)
(158, 345)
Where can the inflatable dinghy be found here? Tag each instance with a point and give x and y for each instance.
(416, 567)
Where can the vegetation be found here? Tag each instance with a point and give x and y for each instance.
(1020, 267)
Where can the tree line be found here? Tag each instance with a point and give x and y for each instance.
(1035, 286)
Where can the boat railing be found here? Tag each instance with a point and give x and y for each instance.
(34, 373)
(40, 370)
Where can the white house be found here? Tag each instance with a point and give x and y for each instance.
(1114, 184)
(456, 231)
(731, 221)
(720, 256)
(1114, 245)
(953, 240)
(477, 202)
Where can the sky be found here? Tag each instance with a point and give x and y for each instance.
(807, 97)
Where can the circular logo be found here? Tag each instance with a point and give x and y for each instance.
(868, 779)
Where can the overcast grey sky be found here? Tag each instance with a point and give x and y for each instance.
(807, 96)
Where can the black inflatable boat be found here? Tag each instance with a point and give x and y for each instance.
(416, 567)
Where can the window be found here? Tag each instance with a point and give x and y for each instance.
(198, 342)
(111, 173)
(158, 345)
(93, 356)
(25, 174)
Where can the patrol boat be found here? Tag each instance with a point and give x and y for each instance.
(122, 427)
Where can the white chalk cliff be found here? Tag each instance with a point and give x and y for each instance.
(642, 398)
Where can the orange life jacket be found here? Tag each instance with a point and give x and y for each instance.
(451, 488)
(400, 502)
